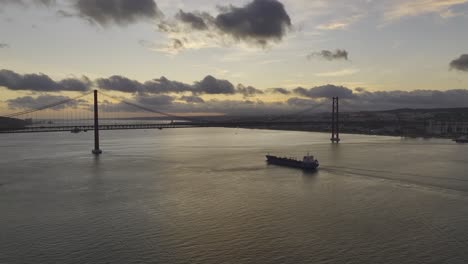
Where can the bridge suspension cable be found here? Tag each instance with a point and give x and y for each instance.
(30, 111)
(147, 109)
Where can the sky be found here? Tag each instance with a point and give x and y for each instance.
(236, 56)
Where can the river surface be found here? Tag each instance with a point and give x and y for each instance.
(205, 195)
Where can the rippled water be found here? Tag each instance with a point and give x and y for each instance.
(205, 195)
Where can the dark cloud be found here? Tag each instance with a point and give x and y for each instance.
(26, 2)
(120, 83)
(383, 100)
(155, 100)
(211, 85)
(279, 91)
(64, 13)
(330, 55)
(301, 102)
(360, 89)
(177, 44)
(259, 21)
(163, 85)
(192, 99)
(4, 46)
(121, 12)
(362, 101)
(41, 82)
(4, 2)
(196, 21)
(28, 102)
(460, 63)
(45, 2)
(248, 91)
(232, 107)
(408, 99)
(72, 84)
(325, 91)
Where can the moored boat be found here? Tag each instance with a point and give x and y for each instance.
(308, 162)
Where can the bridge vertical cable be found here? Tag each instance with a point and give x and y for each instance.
(63, 115)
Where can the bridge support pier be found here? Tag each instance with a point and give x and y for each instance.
(96, 150)
(335, 138)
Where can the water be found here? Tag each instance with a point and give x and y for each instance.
(205, 195)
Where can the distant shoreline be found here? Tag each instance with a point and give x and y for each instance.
(353, 133)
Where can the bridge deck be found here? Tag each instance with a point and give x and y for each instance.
(243, 124)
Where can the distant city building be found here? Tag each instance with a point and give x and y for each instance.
(446, 127)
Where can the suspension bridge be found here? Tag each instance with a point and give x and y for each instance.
(107, 112)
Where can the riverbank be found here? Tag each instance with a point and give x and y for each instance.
(354, 132)
(11, 123)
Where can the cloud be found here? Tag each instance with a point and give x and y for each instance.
(325, 91)
(409, 99)
(26, 2)
(259, 21)
(4, 2)
(46, 2)
(4, 46)
(192, 99)
(301, 102)
(155, 100)
(211, 85)
(119, 83)
(173, 47)
(408, 8)
(64, 13)
(164, 85)
(460, 63)
(120, 12)
(279, 91)
(194, 20)
(28, 102)
(382, 100)
(338, 54)
(344, 72)
(360, 89)
(73, 84)
(232, 107)
(161, 92)
(340, 24)
(41, 82)
(333, 25)
(248, 91)
(349, 101)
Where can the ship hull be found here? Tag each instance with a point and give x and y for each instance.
(286, 162)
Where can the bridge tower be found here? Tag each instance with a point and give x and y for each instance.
(335, 138)
(96, 150)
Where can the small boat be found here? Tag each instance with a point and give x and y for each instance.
(308, 162)
(462, 139)
(75, 130)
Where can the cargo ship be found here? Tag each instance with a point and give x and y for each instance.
(307, 163)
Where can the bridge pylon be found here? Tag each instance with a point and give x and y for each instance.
(335, 138)
(96, 150)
